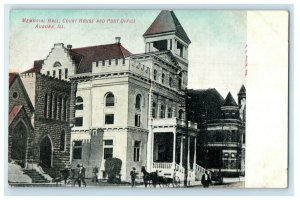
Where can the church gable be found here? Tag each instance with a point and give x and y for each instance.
(60, 63)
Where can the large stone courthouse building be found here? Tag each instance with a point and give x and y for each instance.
(124, 105)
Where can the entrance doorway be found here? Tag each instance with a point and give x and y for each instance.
(19, 144)
(46, 152)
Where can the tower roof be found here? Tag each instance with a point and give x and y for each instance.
(229, 101)
(166, 22)
(242, 90)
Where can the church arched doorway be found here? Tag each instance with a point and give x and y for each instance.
(19, 143)
(46, 152)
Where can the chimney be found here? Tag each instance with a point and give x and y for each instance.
(118, 39)
(69, 46)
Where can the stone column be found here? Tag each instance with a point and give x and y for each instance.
(188, 156)
(195, 153)
(181, 150)
(174, 148)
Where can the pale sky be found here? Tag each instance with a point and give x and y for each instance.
(216, 54)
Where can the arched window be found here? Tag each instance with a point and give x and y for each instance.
(180, 80)
(170, 81)
(46, 106)
(154, 110)
(79, 103)
(57, 64)
(169, 112)
(62, 141)
(180, 114)
(163, 78)
(155, 74)
(110, 100)
(162, 111)
(50, 106)
(138, 101)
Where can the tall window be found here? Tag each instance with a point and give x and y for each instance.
(110, 100)
(170, 81)
(59, 73)
(45, 105)
(154, 110)
(109, 119)
(155, 74)
(163, 78)
(137, 121)
(66, 73)
(50, 106)
(162, 111)
(108, 149)
(79, 103)
(54, 73)
(138, 101)
(103, 62)
(136, 151)
(62, 141)
(180, 114)
(55, 107)
(169, 112)
(48, 73)
(77, 149)
(180, 81)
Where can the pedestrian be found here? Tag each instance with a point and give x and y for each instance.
(206, 179)
(82, 174)
(65, 174)
(95, 174)
(133, 176)
(76, 176)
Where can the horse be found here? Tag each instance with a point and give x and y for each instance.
(149, 178)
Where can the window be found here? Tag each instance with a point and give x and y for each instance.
(66, 73)
(180, 114)
(155, 74)
(170, 81)
(109, 62)
(137, 121)
(79, 103)
(169, 112)
(77, 149)
(109, 119)
(59, 73)
(162, 111)
(108, 153)
(78, 121)
(54, 73)
(154, 110)
(62, 141)
(138, 101)
(110, 100)
(50, 106)
(15, 95)
(136, 151)
(163, 78)
(57, 64)
(55, 107)
(123, 61)
(48, 73)
(103, 62)
(116, 61)
(108, 149)
(45, 105)
(180, 80)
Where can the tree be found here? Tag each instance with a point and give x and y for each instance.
(113, 168)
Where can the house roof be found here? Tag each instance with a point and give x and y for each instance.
(229, 100)
(242, 90)
(37, 66)
(12, 77)
(13, 113)
(86, 55)
(206, 105)
(166, 22)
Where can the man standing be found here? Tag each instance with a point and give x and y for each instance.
(76, 176)
(82, 174)
(133, 176)
(95, 174)
(206, 180)
(65, 173)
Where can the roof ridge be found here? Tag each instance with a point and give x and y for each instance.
(96, 46)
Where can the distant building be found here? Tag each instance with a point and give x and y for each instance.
(221, 142)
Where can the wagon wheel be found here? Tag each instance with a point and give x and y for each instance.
(176, 181)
